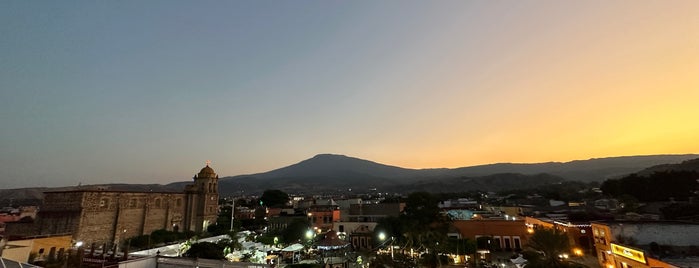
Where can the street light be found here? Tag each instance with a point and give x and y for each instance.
(382, 237)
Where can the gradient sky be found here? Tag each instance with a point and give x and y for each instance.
(147, 91)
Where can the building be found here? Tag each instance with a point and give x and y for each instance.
(43, 247)
(358, 225)
(646, 243)
(104, 217)
(504, 234)
(323, 217)
(579, 233)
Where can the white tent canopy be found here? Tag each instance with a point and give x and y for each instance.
(519, 261)
(293, 247)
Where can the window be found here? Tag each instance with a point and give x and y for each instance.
(104, 202)
(498, 242)
(157, 202)
(178, 202)
(342, 228)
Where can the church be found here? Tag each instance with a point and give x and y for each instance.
(102, 216)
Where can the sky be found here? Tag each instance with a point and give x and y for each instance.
(146, 91)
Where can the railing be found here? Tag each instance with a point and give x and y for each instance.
(164, 262)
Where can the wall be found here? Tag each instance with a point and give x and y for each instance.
(19, 250)
(664, 233)
(109, 217)
(503, 229)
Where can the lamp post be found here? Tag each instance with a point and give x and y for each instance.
(382, 237)
(232, 213)
(391, 247)
(79, 249)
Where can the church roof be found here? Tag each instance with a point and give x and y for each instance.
(331, 241)
(207, 171)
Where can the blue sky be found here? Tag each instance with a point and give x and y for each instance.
(146, 92)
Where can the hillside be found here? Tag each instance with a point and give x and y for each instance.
(337, 173)
(328, 173)
(689, 165)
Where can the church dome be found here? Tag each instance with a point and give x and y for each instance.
(207, 171)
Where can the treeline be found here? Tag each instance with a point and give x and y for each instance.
(659, 186)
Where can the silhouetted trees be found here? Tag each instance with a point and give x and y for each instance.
(274, 198)
(679, 211)
(295, 231)
(420, 226)
(659, 186)
(206, 250)
(551, 243)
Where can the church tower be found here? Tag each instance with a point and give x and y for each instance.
(202, 200)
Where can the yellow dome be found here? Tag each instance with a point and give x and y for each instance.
(207, 171)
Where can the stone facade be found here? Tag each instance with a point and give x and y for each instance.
(108, 217)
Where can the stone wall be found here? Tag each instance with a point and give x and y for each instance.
(664, 233)
(110, 217)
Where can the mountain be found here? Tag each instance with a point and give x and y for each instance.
(494, 182)
(329, 173)
(689, 165)
(596, 169)
(337, 166)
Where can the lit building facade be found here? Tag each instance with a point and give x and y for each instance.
(636, 243)
(103, 217)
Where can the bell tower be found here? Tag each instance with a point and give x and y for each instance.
(202, 200)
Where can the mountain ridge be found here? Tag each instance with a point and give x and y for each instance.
(331, 173)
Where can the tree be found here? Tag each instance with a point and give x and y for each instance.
(295, 231)
(274, 198)
(206, 250)
(425, 226)
(460, 246)
(231, 244)
(551, 243)
(659, 186)
(421, 226)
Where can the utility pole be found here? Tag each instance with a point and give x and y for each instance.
(232, 212)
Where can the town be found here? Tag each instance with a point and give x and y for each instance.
(97, 227)
(349, 134)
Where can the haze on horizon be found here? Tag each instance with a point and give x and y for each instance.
(145, 92)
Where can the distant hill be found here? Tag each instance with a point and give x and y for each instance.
(689, 165)
(494, 182)
(337, 166)
(330, 173)
(338, 173)
(596, 169)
